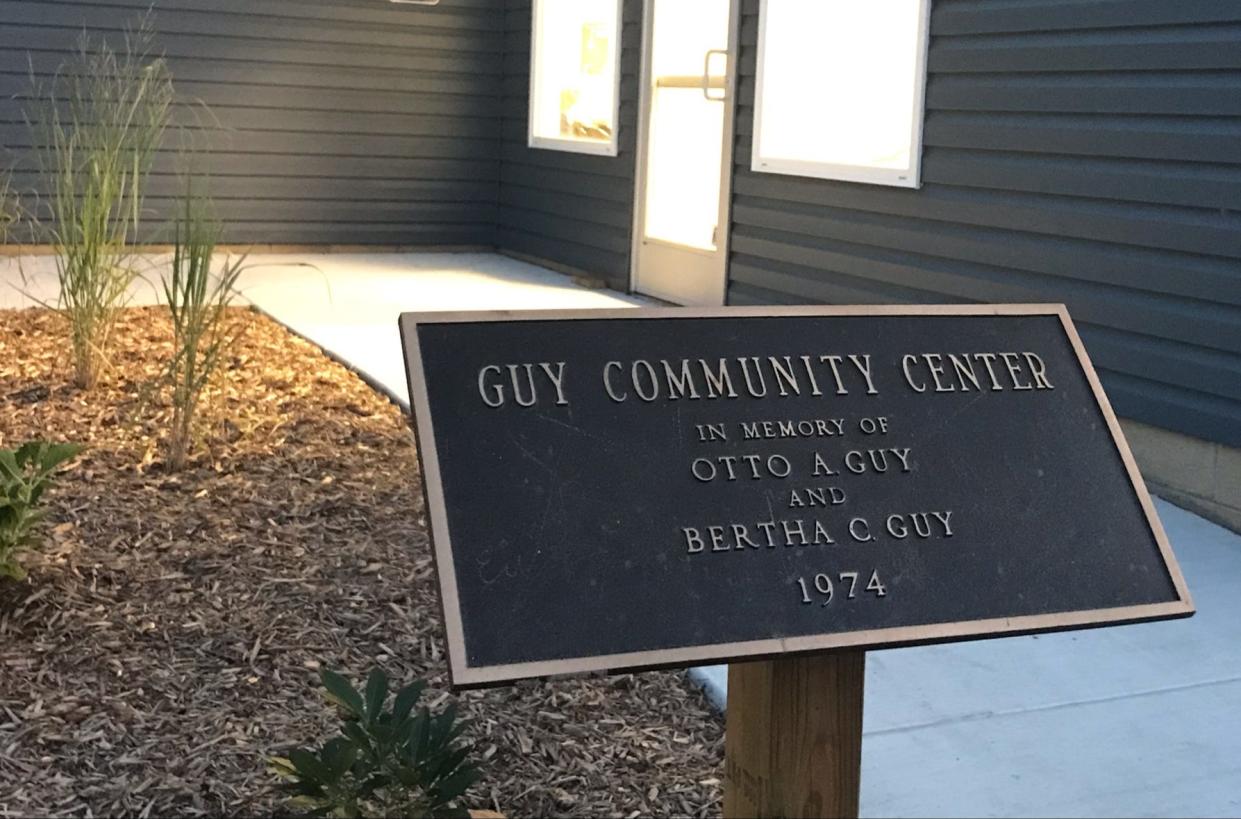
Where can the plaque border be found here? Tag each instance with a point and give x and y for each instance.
(466, 676)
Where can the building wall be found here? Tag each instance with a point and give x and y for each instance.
(1080, 152)
(344, 121)
(1085, 152)
(572, 210)
(1201, 476)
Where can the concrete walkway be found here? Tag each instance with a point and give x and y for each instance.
(1133, 721)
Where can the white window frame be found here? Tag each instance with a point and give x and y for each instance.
(910, 177)
(610, 148)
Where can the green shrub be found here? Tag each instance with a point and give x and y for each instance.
(24, 475)
(198, 301)
(386, 762)
(97, 124)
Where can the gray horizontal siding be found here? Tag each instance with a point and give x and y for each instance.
(1084, 152)
(353, 122)
(574, 210)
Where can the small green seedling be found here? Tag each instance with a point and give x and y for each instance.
(24, 475)
(394, 761)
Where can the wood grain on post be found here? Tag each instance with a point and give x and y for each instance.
(794, 736)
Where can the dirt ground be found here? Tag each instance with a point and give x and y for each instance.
(169, 635)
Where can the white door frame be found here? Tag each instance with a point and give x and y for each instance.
(724, 236)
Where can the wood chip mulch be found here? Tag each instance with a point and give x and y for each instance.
(169, 635)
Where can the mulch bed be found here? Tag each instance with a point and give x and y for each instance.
(169, 635)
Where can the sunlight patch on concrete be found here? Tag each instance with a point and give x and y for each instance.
(348, 303)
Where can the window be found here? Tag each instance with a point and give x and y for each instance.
(840, 89)
(575, 75)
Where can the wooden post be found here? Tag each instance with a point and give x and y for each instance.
(794, 736)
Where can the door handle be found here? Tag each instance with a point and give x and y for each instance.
(706, 74)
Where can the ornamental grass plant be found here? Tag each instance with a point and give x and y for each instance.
(198, 300)
(9, 210)
(97, 125)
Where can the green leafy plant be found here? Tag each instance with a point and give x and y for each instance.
(25, 473)
(394, 761)
(198, 301)
(97, 125)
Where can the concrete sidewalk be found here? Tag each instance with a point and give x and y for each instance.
(1139, 720)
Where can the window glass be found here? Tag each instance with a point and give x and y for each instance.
(686, 130)
(840, 89)
(574, 75)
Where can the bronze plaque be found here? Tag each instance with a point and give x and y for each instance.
(653, 487)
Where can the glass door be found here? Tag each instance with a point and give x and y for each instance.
(685, 152)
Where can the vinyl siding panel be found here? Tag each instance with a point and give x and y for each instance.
(1085, 152)
(574, 210)
(354, 122)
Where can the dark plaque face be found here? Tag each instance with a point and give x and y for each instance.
(635, 488)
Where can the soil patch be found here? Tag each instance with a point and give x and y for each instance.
(169, 635)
